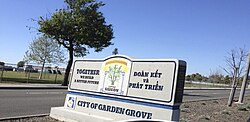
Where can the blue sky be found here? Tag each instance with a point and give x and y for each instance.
(199, 32)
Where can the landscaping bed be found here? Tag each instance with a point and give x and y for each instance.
(215, 111)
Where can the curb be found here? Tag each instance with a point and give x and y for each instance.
(190, 88)
(23, 117)
(30, 87)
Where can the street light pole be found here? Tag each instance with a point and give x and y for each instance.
(244, 82)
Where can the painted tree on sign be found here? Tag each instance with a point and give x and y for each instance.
(114, 73)
(77, 28)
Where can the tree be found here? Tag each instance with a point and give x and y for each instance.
(216, 76)
(196, 77)
(227, 79)
(44, 50)
(188, 78)
(78, 27)
(20, 64)
(115, 51)
(235, 60)
(2, 63)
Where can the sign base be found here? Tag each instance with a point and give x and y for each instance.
(63, 114)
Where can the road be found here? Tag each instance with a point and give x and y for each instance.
(205, 94)
(29, 102)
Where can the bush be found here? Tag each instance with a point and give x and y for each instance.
(225, 112)
(206, 117)
(242, 108)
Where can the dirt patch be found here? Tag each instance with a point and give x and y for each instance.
(215, 111)
(33, 119)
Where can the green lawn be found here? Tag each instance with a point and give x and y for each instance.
(22, 77)
(203, 86)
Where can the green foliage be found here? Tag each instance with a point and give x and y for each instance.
(242, 108)
(20, 63)
(2, 63)
(114, 73)
(225, 112)
(248, 105)
(115, 52)
(183, 120)
(188, 78)
(227, 79)
(216, 78)
(44, 50)
(206, 117)
(196, 77)
(185, 110)
(78, 27)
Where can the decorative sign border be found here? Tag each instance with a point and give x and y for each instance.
(120, 95)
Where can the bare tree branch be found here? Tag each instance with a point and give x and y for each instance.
(235, 59)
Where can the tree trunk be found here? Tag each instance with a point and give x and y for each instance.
(66, 76)
(41, 73)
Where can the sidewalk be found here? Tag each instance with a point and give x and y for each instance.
(31, 86)
(59, 86)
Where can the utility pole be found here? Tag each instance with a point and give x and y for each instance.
(2, 68)
(234, 85)
(244, 82)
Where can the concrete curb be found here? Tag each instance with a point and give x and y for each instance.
(9, 87)
(32, 86)
(23, 117)
(193, 88)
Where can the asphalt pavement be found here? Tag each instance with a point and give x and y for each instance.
(23, 102)
(209, 94)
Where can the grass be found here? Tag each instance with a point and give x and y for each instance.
(22, 77)
(225, 112)
(203, 85)
(185, 110)
(248, 105)
(242, 108)
(206, 117)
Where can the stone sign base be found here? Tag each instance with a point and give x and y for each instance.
(63, 114)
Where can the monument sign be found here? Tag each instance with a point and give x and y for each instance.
(119, 88)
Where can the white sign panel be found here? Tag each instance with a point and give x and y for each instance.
(86, 75)
(151, 80)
